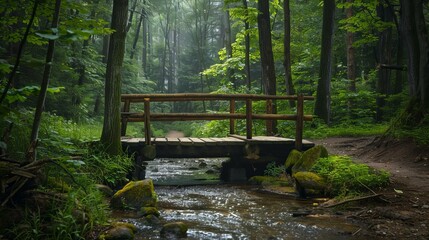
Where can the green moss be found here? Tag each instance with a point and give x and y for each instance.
(145, 211)
(269, 180)
(293, 157)
(344, 177)
(178, 229)
(309, 158)
(310, 180)
(135, 195)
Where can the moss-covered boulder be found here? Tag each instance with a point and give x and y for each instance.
(307, 182)
(269, 180)
(135, 195)
(146, 211)
(174, 230)
(293, 157)
(119, 231)
(309, 158)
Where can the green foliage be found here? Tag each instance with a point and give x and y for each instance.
(347, 178)
(274, 170)
(106, 169)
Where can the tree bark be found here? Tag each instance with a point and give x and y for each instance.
(322, 106)
(414, 32)
(136, 36)
(290, 90)
(45, 81)
(385, 48)
(267, 58)
(247, 47)
(351, 64)
(228, 48)
(111, 134)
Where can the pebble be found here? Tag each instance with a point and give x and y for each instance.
(425, 206)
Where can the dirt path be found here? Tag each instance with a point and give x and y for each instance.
(404, 213)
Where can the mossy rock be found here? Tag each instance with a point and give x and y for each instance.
(307, 182)
(269, 180)
(293, 157)
(146, 211)
(135, 195)
(119, 231)
(174, 230)
(309, 158)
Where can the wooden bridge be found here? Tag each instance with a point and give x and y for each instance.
(249, 149)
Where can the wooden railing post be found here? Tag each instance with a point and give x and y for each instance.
(249, 118)
(231, 120)
(124, 122)
(147, 121)
(269, 123)
(299, 121)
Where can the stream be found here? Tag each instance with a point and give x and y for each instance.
(190, 191)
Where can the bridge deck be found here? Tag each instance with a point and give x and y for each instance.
(232, 145)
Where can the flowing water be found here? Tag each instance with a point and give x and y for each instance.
(217, 210)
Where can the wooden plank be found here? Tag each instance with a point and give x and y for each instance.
(209, 141)
(173, 141)
(232, 141)
(161, 141)
(197, 141)
(185, 141)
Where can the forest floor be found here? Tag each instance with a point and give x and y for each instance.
(402, 212)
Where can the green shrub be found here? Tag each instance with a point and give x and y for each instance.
(344, 177)
(274, 170)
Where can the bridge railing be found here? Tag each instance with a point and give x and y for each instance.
(146, 116)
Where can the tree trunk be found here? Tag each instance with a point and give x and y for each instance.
(228, 48)
(247, 47)
(136, 36)
(351, 64)
(267, 58)
(286, 45)
(130, 19)
(322, 106)
(145, 40)
(45, 81)
(111, 134)
(385, 48)
(20, 49)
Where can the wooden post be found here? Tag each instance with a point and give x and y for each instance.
(299, 121)
(249, 119)
(269, 123)
(147, 121)
(231, 120)
(124, 119)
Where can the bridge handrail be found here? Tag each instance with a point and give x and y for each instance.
(147, 116)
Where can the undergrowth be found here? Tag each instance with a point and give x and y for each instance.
(345, 178)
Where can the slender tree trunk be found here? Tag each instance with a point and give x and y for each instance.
(267, 58)
(385, 48)
(20, 49)
(228, 48)
(247, 47)
(422, 36)
(136, 36)
(145, 40)
(286, 45)
(130, 19)
(45, 81)
(323, 106)
(111, 134)
(351, 64)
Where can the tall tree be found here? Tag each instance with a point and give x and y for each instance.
(351, 64)
(247, 46)
(267, 58)
(384, 58)
(414, 32)
(290, 90)
(45, 82)
(322, 106)
(111, 134)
